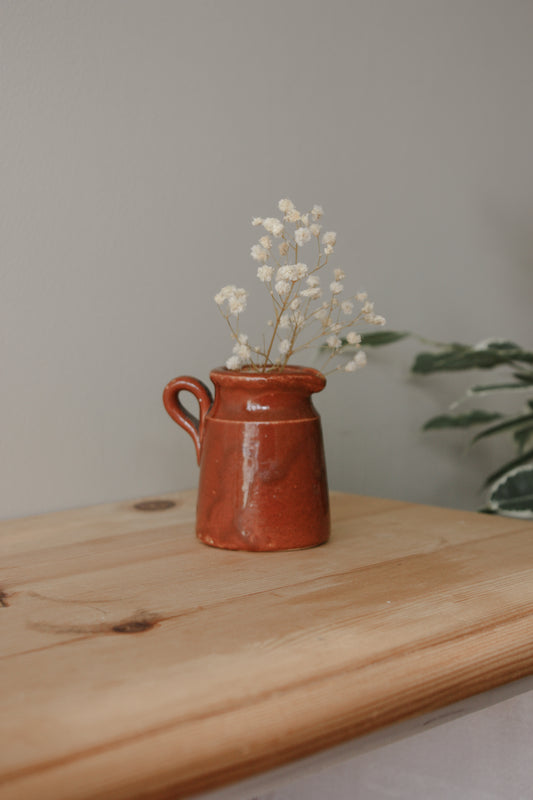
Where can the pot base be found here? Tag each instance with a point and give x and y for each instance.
(276, 548)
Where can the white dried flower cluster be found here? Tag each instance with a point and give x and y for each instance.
(235, 299)
(300, 301)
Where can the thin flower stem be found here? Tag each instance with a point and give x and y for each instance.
(276, 326)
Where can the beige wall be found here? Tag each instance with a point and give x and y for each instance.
(138, 140)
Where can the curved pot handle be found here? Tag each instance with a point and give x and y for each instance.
(178, 412)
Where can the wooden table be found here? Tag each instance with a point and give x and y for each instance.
(136, 662)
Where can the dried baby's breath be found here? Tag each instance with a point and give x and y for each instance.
(305, 314)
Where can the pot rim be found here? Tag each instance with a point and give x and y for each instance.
(291, 374)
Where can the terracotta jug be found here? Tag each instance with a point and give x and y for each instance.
(263, 482)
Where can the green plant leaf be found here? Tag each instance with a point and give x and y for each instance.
(501, 344)
(512, 494)
(477, 416)
(426, 363)
(461, 357)
(495, 387)
(525, 377)
(522, 437)
(522, 459)
(379, 338)
(509, 424)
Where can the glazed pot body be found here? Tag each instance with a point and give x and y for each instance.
(263, 483)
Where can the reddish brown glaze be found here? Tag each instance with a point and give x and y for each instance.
(178, 412)
(263, 483)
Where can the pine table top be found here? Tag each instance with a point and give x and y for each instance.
(137, 662)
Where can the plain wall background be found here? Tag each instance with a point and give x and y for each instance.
(139, 138)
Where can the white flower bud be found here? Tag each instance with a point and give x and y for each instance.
(242, 351)
(300, 271)
(284, 273)
(273, 226)
(266, 242)
(233, 362)
(358, 361)
(225, 293)
(314, 292)
(329, 238)
(236, 298)
(353, 338)
(259, 253)
(292, 216)
(265, 273)
(282, 287)
(301, 236)
(285, 205)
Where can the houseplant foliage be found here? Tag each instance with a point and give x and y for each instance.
(510, 487)
(305, 294)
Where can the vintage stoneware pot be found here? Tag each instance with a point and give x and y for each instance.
(263, 482)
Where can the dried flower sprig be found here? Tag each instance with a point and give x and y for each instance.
(300, 303)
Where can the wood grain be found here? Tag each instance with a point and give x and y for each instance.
(137, 663)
